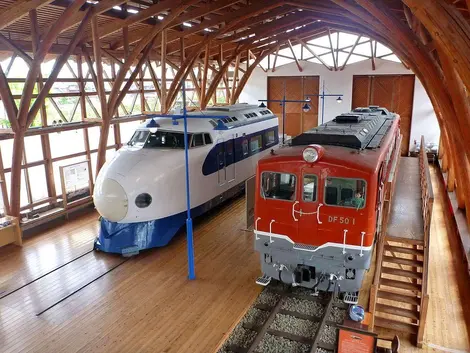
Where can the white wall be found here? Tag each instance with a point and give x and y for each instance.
(424, 120)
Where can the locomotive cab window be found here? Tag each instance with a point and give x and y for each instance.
(198, 140)
(166, 139)
(279, 186)
(309, 192)
(207, 139)
(139, 138)
(345, 192)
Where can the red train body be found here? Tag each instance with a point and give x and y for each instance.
(316, 221)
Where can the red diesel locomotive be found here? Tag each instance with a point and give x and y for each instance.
(319, 200)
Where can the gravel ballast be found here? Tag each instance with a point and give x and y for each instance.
(274, 344)
(300, 316)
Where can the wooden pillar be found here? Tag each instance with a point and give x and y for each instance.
(86, 138)
(105, 118)
(17, 157)
(204, 77)
(45, 142)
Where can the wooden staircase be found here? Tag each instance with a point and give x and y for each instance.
(399, 293)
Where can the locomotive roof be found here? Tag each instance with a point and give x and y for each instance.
(235, 115)
(363, 128)
(365, 160)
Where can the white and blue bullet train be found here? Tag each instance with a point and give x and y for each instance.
(141, 193)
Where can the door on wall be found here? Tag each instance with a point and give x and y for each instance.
(296, 88)
(394, 92)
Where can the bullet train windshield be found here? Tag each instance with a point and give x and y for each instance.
(158, 139)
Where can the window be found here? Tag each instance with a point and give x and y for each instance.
(279, 186)
(198, 140)
(166, 139)
(269, 137)
(345, 192)
(309, 193)
(139, 138)
(255, 143)
(207, 139)
(245, 147)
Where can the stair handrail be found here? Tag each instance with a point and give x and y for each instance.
(427, 201)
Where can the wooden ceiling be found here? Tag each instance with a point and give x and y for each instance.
(199, 20)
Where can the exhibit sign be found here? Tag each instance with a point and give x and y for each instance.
(357, 341)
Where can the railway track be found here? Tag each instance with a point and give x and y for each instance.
(290, 320)
(6, 293)
(49, 289)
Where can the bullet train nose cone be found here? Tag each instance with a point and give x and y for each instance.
(110, 200)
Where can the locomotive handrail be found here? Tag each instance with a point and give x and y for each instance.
(293, 210)
(318, 213)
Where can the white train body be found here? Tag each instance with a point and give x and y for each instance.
(141, 193)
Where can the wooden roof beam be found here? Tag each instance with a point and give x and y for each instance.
(351, 52)
(278, 25)
(133, 37)
(311, 51)
(75, 19)
(295, 56)
(19, 9)
(114, 26)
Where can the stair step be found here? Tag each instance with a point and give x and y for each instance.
(402, 273)
(393, 310)
(403, 298)
(401, 249)
(400, 284)
(396, 325)
(399, 260)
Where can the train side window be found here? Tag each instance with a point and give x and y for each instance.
(245, 147)
(309, 193)
(198, 140)
(279, 186)
(269, 137)
(255, 143)
(207, 139)
(352, 192)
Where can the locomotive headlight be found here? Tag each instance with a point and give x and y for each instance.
(312, 153)
(143, 200)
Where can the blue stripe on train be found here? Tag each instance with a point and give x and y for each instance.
(119, 237)
(235, 150)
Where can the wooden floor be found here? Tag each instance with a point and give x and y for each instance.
(448, 322)
(144, 305)
(406, 221)
(148, 305)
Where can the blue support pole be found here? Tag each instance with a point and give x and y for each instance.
(323, 102)
(189, 221)
(284, 116)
